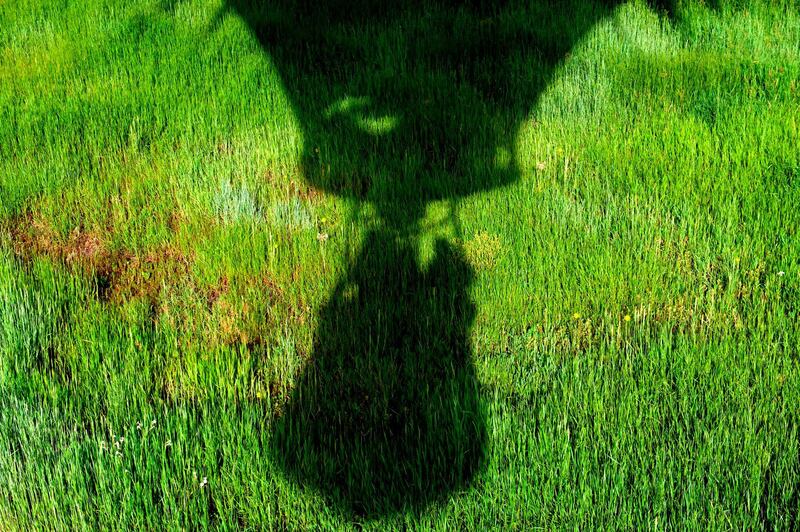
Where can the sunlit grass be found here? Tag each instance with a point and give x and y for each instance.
(165, 263)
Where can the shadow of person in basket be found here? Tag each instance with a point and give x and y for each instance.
(388, 415)
(402, 104)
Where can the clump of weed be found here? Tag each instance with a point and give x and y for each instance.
(32, 236)
(483, 250)
(145, 275)
(292, 215)
(224, 313)
(241, 313)
(120, 275)
(236, 204)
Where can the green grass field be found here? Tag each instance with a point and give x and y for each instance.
(422, 264)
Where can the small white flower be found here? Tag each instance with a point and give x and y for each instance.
(781, 273)
(139, 425)
(203, 482)
(152, 423)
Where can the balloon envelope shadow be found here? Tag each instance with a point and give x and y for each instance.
(408, 102)
(402, 104)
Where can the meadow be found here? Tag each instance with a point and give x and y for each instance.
(415, 265)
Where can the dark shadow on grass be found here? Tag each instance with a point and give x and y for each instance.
(401, 104)
(388, 414)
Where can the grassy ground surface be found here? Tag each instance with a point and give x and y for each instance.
(430, 264)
